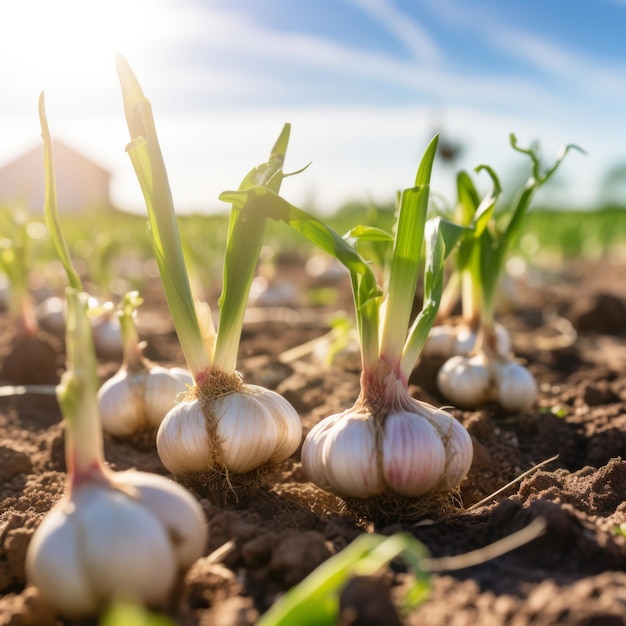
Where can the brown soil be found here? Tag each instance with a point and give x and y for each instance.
(574, 574)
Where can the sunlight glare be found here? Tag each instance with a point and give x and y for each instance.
(45, 41)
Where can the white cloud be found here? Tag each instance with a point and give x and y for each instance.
(357, 150)
(579, 69)
(411, 34)
(269, 50)
(356, 153)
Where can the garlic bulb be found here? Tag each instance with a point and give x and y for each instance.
(407, 448)
(107, 335)
(466, 381)
(106, 329)
(124, 538)
(448, 340)
(472, 381)
(517, 389)
(140, 397)
(140, 393)
(51, 314)
(228, 425)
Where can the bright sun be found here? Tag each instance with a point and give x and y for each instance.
(44, 41)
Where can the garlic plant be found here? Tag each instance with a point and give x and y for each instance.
(106, 330)
(15, 268)
(387, 443)
(458, 337)
(488, 371)
(224, 424)
(105, 326)
(113, 535)
(451, 336)
(140, 393)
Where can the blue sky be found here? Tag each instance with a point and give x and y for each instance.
(364, 83)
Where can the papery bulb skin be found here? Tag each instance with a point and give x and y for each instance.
(239, 431)
(414, 457)
(458, 446)
(440, 342)
(517, 389)
(182, 440)
(107, 337)
(465, 381)
(123, 546)
(286, 419)
(449, 341)
(465, 340)
(341, 451)
(174, 507)
(469, 382)
(247, 430)
(120, 405)
(313, 453)
(411, 451)
(182, 374)
(51, 314)
(504, 345)
(104, 543)
(54, 563)
(161, 390)
(130, 400)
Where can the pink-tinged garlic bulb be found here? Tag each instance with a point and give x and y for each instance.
(409, 448)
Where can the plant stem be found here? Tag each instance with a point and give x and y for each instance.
(471, 291)
(51, 209)
(76, 395)
(132, 352)
(405, 261)
(145, 154)
(246, 233)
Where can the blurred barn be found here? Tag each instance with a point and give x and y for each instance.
(82, 185)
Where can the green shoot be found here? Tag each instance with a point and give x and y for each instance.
(202, 350)
(51, 210)
(394, 345)
(132, 615)
(15, 263)
(76, 393)
(131, 346)
(495, 244)
(145, 154)
(315, 601)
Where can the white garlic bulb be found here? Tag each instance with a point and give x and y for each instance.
(51, 314)
(107, 336)
(125, 539)
(517, 389)
(473, 381)
(466, 381)
(448, 340)
(141, 392)
(240, 430)
(409, 449)
(107, 333)
(140, 397)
